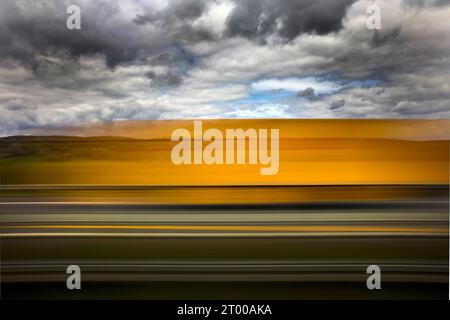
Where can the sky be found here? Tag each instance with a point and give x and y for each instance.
(213, 59)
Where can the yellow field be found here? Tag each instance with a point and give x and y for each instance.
(319, 152)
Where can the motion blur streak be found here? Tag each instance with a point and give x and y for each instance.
(249, 228)
(348, 194)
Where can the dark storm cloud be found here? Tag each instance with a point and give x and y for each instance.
(179, 10)
(307, 93)
(176, 20)
(167, 79)
(381, 37)
(337, 104)
(31, 31)
(17, 105)
(26, 36)
(259, 18)
(253, 19)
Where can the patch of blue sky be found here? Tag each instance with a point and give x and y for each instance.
(271, 97)
(273, 89)
(262, 97)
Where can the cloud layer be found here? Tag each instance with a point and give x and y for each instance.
(221, 58)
